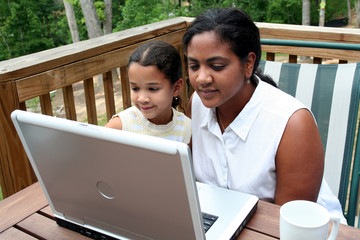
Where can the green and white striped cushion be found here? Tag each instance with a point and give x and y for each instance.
(332, 93)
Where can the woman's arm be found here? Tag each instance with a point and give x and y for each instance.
(115, 122)
(299, 160)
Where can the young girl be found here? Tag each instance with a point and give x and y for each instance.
(247, 135)
(155, 76)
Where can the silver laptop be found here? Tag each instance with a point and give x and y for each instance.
(112, 184)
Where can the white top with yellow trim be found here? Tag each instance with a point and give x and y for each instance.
(179, 129)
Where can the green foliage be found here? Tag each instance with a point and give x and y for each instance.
(284, 11)
(80, 20)
(197, 7)
(1, 196)
(100, 6)
(140, 12)
(32, 26)
(33, 104)
(256, 9)
(334, 9)
(117, 14)
(290, 11)
(26, 27)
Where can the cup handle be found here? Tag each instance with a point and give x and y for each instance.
(335, 227)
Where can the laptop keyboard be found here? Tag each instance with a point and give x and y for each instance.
(208, 220)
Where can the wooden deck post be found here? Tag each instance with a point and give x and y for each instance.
(15, 169)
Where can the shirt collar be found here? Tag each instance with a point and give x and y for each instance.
(244, 121)
(209, 121)
(209, 118)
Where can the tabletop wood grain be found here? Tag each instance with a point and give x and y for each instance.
(27, 215)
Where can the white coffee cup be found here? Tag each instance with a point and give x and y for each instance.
(307, 220)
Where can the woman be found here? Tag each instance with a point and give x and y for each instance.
(247, 135)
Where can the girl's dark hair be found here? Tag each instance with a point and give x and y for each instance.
(164, 56)
(235, 27)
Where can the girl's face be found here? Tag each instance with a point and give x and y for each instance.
(152, 93)
(215, 72)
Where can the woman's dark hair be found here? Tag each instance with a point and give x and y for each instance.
(235, 27)
(162, 55)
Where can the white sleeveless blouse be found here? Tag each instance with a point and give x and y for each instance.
(243, 157)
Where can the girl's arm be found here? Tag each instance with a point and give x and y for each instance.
(115, 122)
(299, 160)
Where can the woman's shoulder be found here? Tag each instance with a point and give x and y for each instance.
(276, 100)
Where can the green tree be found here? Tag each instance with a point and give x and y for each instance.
(334, 9)
(71, 19)
(100, 10)
(284, 11)
(28, 27)
(31, 26)
(140, 12)
(80, 20)
(256, 9)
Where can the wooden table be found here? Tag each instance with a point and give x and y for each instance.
(27, 215)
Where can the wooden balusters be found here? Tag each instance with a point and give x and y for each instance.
(109, 94)
(317, 60)
(293, 58)
(69, 102)
(125, 87)
(90, 100)
(45, 103)
(270, 56)
(22, 106)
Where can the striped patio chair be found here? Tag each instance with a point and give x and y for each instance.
(332, 93)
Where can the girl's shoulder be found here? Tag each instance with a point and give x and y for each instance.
(181, 117)
(127, 111)
(179, 114)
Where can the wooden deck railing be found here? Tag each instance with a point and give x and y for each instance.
(310, 33)
(38, 74)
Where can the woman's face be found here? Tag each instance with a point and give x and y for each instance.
(215, 72)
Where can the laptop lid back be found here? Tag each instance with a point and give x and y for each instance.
(113, 181)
